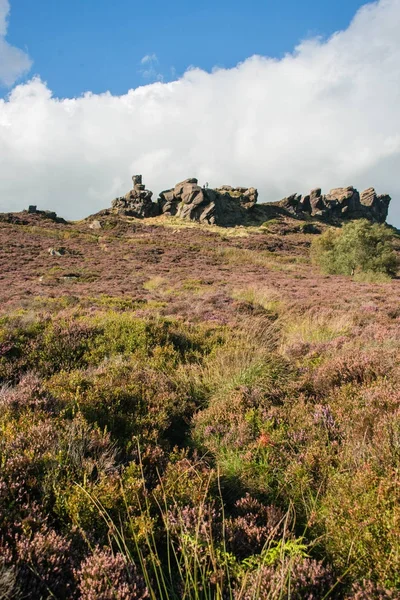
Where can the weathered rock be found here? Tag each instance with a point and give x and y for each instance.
(376, 206)
(44, 214)
(56, 251)
(340, 203)
(228, 206)
(96, 224)
(225, 206)
(136, 203)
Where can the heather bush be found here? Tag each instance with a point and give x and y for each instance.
(42, 345)
(107, 576)
(45, 565)
(27, 394)
(368, 590)
(297, 579)
(186, 481)
(352, 367)
(27, 454)
(128, 398)
(252, 526)
(359, 247)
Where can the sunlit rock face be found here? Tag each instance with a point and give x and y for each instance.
(226, 206)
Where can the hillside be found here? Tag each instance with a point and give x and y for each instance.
(194, 412)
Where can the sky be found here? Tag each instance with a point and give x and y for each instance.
(283, 96)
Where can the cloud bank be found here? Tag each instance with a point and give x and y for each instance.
(327, 115)
(13, 61)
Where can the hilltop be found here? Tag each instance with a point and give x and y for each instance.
(195, 411)
(228, 206)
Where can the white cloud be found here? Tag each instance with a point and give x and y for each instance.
(13, 61)
(149, 58)
(149, 71)
(326, 115)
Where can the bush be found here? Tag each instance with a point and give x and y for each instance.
(359, 247)
(106, 576)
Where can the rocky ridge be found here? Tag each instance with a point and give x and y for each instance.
(228, 206)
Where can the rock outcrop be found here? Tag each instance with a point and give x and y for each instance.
(136, 203)
(228, 206)
(44, 214)
(225, 206)
(340, 203)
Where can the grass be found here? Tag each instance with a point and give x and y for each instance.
(262, 296)
(264, 258)
(315, 327)
(155, 283)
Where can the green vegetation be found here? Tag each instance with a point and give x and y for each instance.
(358, 248)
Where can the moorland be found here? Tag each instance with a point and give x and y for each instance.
(195, 412)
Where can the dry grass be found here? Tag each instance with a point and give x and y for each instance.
(266, 297)
(314, 327)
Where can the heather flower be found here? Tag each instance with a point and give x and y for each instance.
(44, 564)
(252, 527)
(201, 522)
(368, 590)
(323, 417)
(107, 576)
(302, 579)
(357, 368)
(26, 394)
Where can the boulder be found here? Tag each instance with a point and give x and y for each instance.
(375, 206)
(95, 224)
(56, 251)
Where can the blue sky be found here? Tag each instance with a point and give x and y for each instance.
(284, 96)
(98, 45)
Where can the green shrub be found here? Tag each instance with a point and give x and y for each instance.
(359, 247)
(361, 512)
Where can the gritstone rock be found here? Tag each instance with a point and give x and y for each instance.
(340, 203)
(136, 203)
(228, 206)
(225, 206)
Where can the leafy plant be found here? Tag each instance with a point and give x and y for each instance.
(359, 247)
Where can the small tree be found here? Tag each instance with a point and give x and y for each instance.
(358, 247)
